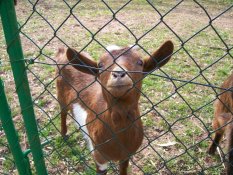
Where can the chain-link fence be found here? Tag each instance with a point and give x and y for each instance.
(176, 101)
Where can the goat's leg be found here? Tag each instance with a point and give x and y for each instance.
(101, 163)
(217, 137)
(218, 123)
(100, 171)
(63, 122)
(123, 167)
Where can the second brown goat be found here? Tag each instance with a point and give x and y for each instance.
(222, 122)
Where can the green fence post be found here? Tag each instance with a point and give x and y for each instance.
(15, 52)
(7, 123)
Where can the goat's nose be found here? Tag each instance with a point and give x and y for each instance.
(118, 74)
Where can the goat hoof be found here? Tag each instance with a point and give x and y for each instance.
(65, 137)
(102, 173)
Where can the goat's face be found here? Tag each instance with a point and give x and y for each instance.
(120, 71)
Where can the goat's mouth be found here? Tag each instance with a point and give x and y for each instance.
(120, 86)
(119, 90)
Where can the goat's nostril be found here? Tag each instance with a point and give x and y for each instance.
(118, 74)
(114, 74)
(122, 74)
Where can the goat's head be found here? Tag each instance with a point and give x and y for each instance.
(120, 71)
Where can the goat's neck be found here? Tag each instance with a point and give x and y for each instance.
(122, 112)
(119, 110)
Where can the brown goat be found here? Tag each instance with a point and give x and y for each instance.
(223, 110)
(104, 102)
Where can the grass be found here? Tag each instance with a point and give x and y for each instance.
(183, 106)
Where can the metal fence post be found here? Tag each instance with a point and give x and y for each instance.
(7, 123)
(14, 49)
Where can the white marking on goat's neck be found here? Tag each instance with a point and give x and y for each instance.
(113, 47)
(102, 167)
(80, 116)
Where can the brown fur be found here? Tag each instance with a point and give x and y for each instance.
(223, 110)
(113, 119)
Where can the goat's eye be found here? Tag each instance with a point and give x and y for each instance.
(100, 65)
(140, 62)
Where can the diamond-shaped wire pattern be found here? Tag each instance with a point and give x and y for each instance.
(176, 101)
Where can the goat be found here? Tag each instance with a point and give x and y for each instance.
(222, 122)
(104, 102)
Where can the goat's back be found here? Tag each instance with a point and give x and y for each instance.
(71, 84)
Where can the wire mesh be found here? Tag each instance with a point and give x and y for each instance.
(176, 101)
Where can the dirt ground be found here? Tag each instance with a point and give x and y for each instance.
(176, 131)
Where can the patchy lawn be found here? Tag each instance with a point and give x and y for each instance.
(177, 108)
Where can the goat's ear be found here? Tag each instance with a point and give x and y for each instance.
(159, 58)
(82, 62)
